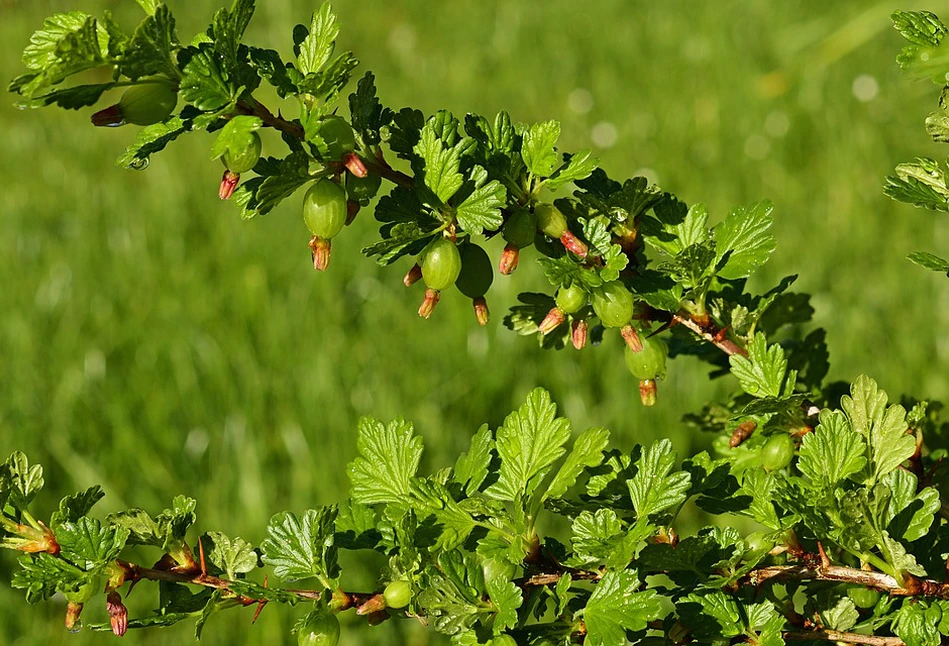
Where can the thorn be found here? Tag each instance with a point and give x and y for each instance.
(260, 607)
(824, 560)
(204, 565)
(720, 335)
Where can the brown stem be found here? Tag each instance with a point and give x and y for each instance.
(878, 580)
(837, 636)
(710, 334)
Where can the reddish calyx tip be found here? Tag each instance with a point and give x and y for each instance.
(412, 276)
(118, 614)
(429, 303)
(632, 338)
(579, 333)
(648, 392)
(555, 317)
(354, 164)
(373, 604)
(509, 258)
(352, 209)
(110, 117)
(73, 610)
(573, 244)
(229, 182)
(481, 310)
(320, 248)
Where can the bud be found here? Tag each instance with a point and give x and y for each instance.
(73, 610)
(481, 310)
(354, 164)
(648, 392)
(413, 275)
(555, 317)
(509, 259)
(579, 333)
(229, 182)
(352, 208)
(373, 604)
(632, 338)
(320, 248)
(118, 614)
(428, 305)
(573, 244)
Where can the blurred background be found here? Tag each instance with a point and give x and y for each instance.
(152, 342)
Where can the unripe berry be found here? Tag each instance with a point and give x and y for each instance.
(613, 303)
(777, 452)
(398, 594)
(143, 105)
(319, 628)
(571, 299)
(550, 220)
(650, 362)
(242, 156)
(863, 597)
(337, 135)
(324, 209)
(441, 264)
(503, 640)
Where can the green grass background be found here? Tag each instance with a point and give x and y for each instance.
(154, 343)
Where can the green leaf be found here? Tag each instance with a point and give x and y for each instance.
(529, 442)
(153, 47)
(883, 428)
(765, 620)
(303, 548)
(919, 27)
(602, 538)
(70, 98)
(615, 607)
(278, 180)
(909, 514)
(921, 182)
(233, 555)
(205, 83)
(674, 228)
(367, 114)
(389, 458)
(587, 452)
(506, 598)
(42, 575)
(441, 164)
(833, 452)
(537, 148)
(482, 208)
(88, 545)
(452, 598)
(929, 261)
(690, 563)
(576, 167)
(654, 488)
(471, 468)
(21, 479)
(166, 531)
(402, 239)
(917, 623)
(151, 139)
(72, 508)
(269, 65)
(710, 614)
(228, 27)
(744, 240)
(764, 371)
(232, 138)
(68, 44)
(150, 6)
(317, 47)
(843, 615)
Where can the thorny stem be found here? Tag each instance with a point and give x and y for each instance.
(847, 638)
(878, 580)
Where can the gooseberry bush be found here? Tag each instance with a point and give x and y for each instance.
(845, 488)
